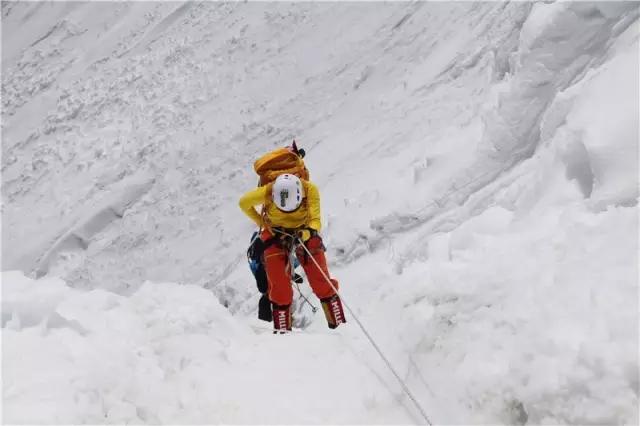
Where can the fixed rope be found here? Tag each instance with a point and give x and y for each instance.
(366, 333)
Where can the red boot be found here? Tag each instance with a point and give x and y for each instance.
(333, 311)
(281, 318)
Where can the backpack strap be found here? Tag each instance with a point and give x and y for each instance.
(265, 207)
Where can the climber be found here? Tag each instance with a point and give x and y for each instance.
(291, 217)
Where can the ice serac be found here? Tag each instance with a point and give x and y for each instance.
(559, 44)
(557, 48)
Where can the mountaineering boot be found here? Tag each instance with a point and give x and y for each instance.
(281, 318)
(332, 307)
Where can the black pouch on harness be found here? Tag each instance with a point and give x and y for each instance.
(254, 254)
(264, 308)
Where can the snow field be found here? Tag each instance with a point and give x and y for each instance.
(478, 165)
(171, 354)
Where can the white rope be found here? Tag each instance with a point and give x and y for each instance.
(366, 333)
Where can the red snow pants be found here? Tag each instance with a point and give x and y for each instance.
(278, 270)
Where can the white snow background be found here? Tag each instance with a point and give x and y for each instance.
(478, 168)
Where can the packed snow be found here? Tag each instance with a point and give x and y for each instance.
(478, 168)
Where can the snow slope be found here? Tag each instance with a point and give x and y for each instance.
(478, 164)
(170, 354)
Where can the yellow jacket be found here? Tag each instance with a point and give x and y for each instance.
(305, 216)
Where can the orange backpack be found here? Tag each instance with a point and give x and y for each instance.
(280, 161)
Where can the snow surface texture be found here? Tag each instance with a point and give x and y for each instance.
(478, 165)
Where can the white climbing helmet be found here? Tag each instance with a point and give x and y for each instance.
(287, 192)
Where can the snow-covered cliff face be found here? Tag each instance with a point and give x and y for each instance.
(478, 166)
